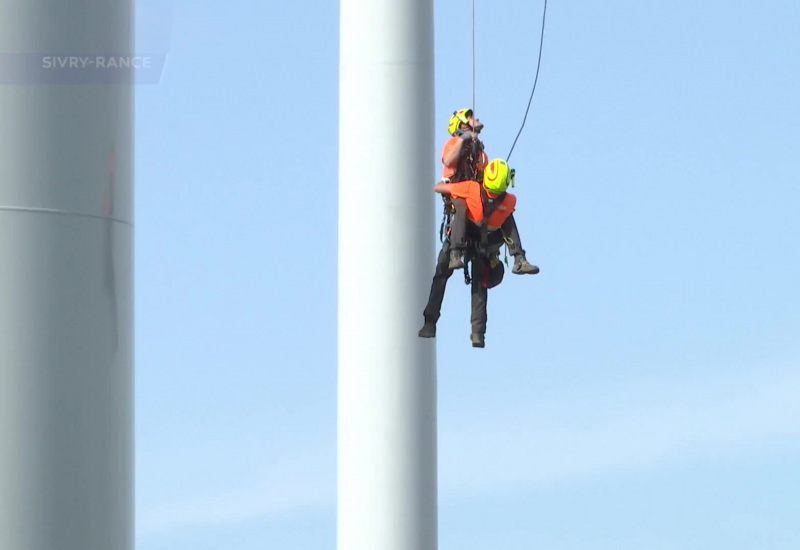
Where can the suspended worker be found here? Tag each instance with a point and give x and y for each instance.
(464, 159)
(488, 207)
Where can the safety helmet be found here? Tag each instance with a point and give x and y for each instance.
(495, 176)
(457, 119)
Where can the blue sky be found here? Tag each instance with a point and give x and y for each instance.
(640, 392)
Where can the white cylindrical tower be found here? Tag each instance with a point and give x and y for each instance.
(387, 494)
(66, 282)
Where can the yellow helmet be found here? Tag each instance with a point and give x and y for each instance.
(457, 119)
(495, 176)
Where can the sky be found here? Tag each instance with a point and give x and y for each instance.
(640, 392)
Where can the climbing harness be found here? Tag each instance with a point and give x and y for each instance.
(489, 206)
(465, 170)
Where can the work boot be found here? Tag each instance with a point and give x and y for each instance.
(523, 267)
(456, 261)
(428, 330)
(477, 340)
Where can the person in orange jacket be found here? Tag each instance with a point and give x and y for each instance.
(488, 206)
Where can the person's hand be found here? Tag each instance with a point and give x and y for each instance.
(467, 135)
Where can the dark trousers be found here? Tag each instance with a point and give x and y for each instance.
(511, 232)
(479, 290)
(461, 232)
(459, 223)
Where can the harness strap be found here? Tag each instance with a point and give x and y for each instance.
(467, 166)
(509, 242)
(469, 255)
(466, 169)
(489, 206)
(447, 214)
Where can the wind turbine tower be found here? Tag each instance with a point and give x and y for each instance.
(387, 482)
(66, 275)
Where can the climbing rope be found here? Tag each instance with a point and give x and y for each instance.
(473, 58)
(536, 79)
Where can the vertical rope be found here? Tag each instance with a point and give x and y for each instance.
(473, 58)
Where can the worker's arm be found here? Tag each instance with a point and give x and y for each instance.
(443, 188)
(450, 158)
(454, 153)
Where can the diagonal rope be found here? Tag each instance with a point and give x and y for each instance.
(539, 63)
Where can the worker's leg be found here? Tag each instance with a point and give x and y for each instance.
(521, 264)
(438, 286)
(458, 234)
(480, 295)
(511, 232)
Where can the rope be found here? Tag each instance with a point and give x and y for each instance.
(473, 58)
(541, 42)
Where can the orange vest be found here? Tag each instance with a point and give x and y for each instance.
(470, 191)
